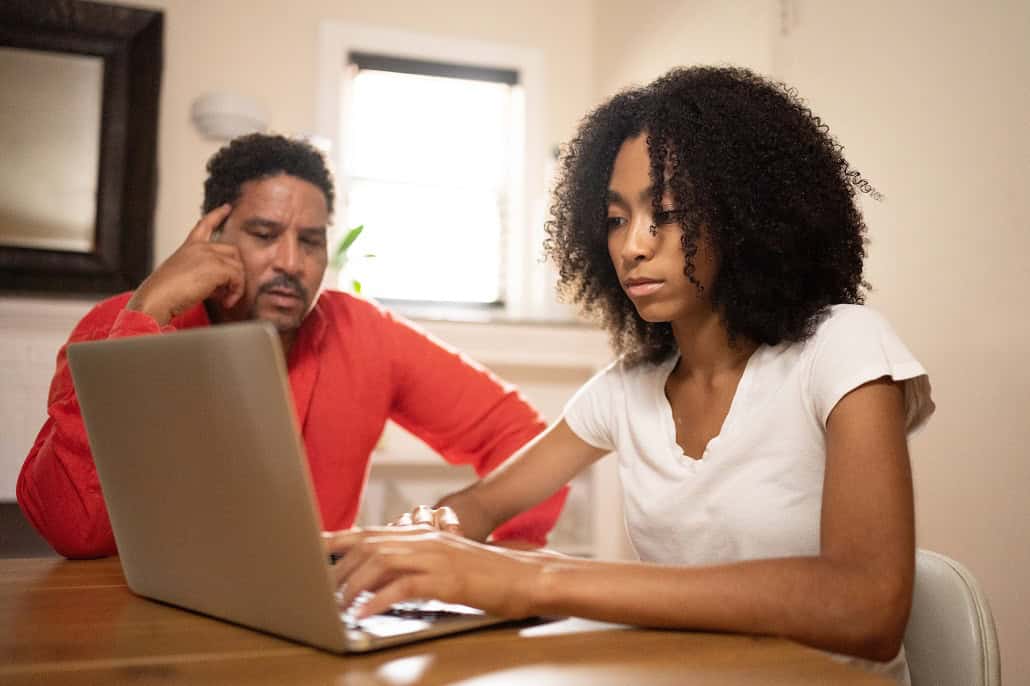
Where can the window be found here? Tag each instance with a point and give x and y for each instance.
(521, 285)
(430, 153)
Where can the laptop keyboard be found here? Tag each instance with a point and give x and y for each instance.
(405, 617)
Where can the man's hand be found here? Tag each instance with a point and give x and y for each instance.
(198, 270)
(442, 518)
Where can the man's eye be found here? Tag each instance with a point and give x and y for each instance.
(262, 235)
(314, 242)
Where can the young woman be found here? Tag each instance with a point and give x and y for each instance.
(758, 411)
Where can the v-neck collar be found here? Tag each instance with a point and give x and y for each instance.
(739, 401)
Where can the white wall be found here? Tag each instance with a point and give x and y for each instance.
(930, 101)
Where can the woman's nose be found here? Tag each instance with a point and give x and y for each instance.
(640, 240)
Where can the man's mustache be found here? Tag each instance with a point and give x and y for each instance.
(285, 282)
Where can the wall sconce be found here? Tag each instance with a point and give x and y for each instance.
(223, 116)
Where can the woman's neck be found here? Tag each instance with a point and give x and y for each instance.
(705, 349)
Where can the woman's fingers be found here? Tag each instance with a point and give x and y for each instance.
(395, 591)
(395, 564)
(377, 562)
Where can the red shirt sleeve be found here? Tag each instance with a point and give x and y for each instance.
(466, 414)
(57, 487)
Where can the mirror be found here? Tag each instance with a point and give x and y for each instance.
(78, 126)
(48, 132)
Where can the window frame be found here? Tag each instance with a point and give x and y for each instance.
(522, 269)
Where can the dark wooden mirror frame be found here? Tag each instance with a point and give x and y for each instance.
(130, 43)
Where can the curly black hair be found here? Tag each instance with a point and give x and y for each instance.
(751, 165)
(259, 156)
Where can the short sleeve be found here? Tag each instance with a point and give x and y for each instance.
(588, 413)
(855, 345)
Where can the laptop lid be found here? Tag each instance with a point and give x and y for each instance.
(207, 487)
(203, 471)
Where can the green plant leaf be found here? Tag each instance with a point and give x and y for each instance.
(351, 236)
(347, 240)
(339, 257)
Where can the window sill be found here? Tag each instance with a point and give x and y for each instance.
(487, 313)
(506, 342)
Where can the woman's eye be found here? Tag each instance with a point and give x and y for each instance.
(614, 222)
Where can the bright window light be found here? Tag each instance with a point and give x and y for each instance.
(427, 164)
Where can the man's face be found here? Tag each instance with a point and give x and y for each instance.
(278, 224)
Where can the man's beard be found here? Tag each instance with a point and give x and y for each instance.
(240, 312)
(283, 282)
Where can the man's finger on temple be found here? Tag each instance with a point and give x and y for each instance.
(207, 225)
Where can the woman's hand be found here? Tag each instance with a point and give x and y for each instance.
(398, 564)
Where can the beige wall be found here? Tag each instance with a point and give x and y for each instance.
(636, 41)
(930, 101)
(268, 50)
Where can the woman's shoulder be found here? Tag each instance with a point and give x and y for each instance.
(640, 373)
(622, 377)
(855, 344)
(841, 325)
(850, 317)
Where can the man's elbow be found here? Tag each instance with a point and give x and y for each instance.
(81, 550)
(76, 542)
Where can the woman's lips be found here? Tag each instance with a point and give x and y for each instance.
(639, 289)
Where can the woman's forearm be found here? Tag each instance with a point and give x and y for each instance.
(530, 476)
(817, 601)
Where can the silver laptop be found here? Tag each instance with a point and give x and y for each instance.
(206, 482)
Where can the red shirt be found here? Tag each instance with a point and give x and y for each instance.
(352, 366)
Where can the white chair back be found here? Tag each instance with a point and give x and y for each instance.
(950, 639)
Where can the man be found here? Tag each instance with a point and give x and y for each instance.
(259, 252)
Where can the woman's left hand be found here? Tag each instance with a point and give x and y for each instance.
(398, 565)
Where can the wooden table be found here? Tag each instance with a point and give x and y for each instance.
(77, 623)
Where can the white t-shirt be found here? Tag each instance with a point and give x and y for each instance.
(756, 491)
